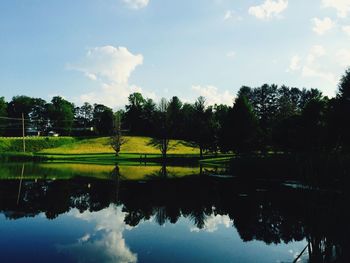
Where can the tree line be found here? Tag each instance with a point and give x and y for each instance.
(261, 119)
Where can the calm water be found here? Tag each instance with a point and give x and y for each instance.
(108, 214)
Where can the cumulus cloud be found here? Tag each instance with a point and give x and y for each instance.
(212, 95)
(268, 9)
(110, 67)
(341, 6)
(136, 4)
(346, 30)
(213, 222)
(321, 26)
(317, 63)
(106, 243)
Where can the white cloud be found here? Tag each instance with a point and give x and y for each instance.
(268, 9)
(231, 54)
(106, 243)
(346, 30)
(230, 14)
(136, 4)
(342, 6)
(212, 223)
(295, 63)
(317, 64)
(111, 67)
(343, 57)
(316, 51)
(213, 96)
(321, 26)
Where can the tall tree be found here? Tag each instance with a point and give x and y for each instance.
(313, 132)
(264, 101)
(244, 126)
(134, 112)
(39, 115)
(3, 113)
(200, 124)
(175, 117)
(344, 86)
(162, 135)
(341, 112)
(83, 119)
(117, 139)
(16, 107)
(103, 119)
(61, 114)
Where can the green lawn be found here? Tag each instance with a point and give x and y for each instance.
(98, 151)
(134, 144)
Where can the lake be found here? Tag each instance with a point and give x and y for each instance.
(52, 212)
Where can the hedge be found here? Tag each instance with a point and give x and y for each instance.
(33, 144)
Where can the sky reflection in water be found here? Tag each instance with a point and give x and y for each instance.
(103, 236)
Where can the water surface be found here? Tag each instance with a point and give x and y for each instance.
(82, 213)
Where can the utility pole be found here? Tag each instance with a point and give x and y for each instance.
(23, 134)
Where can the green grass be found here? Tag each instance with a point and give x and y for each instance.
(134, 144)
(136, 150)
(33, 144)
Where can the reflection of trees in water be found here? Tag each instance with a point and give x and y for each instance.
(274, 216)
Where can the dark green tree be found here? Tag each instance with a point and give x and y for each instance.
(39, 115)
(134, 113)
(103, 120)
(16, 107)
(340, 112)
(162, 134)
(175, 118)
(61, 115)
(264, 102)
(244, 129)
(199, 124)
(117, 139)
(3, 113)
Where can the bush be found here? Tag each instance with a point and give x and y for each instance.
(33, 144)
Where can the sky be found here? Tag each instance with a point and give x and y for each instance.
(100, 51)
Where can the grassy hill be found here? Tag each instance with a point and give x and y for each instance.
(134, 144)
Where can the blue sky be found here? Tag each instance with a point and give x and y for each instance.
(101, 50)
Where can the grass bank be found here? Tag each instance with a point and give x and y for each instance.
(137, 149)
(33, 144)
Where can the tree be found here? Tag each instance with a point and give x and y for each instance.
(339, 114)
(244, 128)
(161, 137)
(3, 114)
(61, 115)
(103, 119)
(199, 123)
(344, 86)
(134, 112)
(175, 117)
(83, 119)
(313, 133)
(265, 106)
(16, 107)
(117, 140)
(39, 115)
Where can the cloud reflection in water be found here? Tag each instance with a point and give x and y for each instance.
(106, 243)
